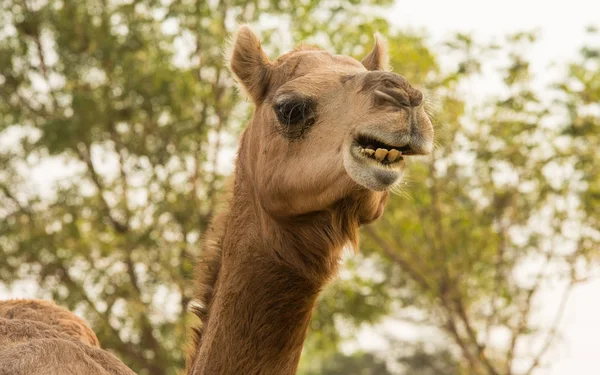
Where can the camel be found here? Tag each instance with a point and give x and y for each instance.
(40, 338)
(49, 313)
(326, 142)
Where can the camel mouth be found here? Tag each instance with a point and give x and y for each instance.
(374, 164)
(375, 149)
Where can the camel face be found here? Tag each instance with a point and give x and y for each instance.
(332, 110)
(326, 126)
(392, 126)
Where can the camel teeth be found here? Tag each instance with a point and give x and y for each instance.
(393, 155)
(368, 151)
(380, 154)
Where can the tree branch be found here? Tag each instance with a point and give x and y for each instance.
(397, 258)
(473, 336)
(554, 330)
(6, 191)
(84, 154)
(451, 327)
(439, 227)
(27, 104)
(43, 67)
(519, 331)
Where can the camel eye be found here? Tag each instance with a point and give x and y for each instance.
(294, 112)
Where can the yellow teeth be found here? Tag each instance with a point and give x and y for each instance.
(393, 155)
(381, 154)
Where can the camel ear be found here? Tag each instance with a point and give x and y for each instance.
(250, 64)
(378, 58)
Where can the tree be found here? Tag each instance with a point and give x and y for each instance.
(578, 98)
(500, 213)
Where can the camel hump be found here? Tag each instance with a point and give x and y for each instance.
(49, 313)
(29, 347)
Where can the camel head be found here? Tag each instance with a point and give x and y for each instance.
(326, 127)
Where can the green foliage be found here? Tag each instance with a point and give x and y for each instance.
(485, 225)
(489, 220)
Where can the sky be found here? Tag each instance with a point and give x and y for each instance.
(561, 26)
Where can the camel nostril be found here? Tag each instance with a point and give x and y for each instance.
(416, 98)
(395, 97)
(398, 97)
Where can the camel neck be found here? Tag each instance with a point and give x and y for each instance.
(270, 277)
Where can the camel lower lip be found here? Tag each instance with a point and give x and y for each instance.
(371, 173)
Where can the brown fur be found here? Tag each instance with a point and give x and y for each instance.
(30, 347)
(294, 205)
(38, 337)
(48, 312)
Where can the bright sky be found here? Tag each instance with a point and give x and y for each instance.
(562, 30)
